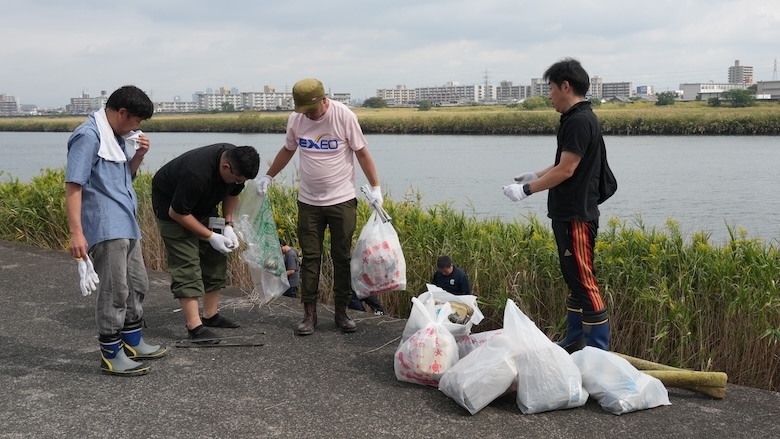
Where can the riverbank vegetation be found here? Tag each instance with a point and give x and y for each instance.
(683, 118)
(674, 300)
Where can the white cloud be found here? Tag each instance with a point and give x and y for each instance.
(53, 50)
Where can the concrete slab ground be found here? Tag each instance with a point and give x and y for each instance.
(324, 385)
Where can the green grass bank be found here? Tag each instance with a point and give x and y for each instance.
(683, 118)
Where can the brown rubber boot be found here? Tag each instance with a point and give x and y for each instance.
(343, 321)
(309, 322)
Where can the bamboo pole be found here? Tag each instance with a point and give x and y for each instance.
(709, 383)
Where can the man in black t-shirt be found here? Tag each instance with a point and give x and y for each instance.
(450, 278)
(572, 202)
(186, 193)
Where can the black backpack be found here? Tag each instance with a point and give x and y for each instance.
(607, 181)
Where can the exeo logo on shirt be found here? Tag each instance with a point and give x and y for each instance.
(319, 143)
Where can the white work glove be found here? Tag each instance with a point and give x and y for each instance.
(526, 177)
(231, 235)
(376, 193)
(515, 192)
(221, 243)
(88, 277)
(263, 183)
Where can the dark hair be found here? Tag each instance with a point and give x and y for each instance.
(132, 99)
(570, 70)
(245, 160)
(443, 262)
(282, 242)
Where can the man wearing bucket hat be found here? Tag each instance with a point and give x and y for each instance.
(328, 136)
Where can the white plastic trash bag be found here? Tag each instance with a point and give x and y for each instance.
(617, 385)
(378, 264)
(468, 344)
(481, 377)
(547, 378)
(424, 356)
(254, 223)
(458, 329)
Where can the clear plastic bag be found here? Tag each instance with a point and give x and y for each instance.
(617, 385)
(378, 264)
(255, 225)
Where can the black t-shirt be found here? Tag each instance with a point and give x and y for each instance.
(577, 197)
(191, 183)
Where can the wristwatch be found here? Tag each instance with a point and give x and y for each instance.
(527, 189)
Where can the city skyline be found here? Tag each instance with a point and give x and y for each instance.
(56, 51)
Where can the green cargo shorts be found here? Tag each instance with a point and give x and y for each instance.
(195, 267)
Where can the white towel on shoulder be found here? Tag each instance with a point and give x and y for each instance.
(109, 146)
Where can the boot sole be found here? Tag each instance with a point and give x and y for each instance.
(347, 329)
(154, 355)
(126, 373)
(297, 332)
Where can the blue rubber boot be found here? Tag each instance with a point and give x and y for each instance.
(115, 362)
(575, 338)
(135, 346)
(595, 325)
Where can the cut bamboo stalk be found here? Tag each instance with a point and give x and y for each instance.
(644, 364)
(709, 383)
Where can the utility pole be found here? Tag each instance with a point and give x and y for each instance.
(774, 73)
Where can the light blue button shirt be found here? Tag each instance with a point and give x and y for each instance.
(109, 203)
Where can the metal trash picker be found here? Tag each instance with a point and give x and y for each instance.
(366, 189)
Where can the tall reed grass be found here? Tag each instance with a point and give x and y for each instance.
(683, 302)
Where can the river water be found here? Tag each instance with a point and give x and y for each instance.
(703, 183)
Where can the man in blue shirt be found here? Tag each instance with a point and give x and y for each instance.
(450, 278)
(101, 205)
(292, 266)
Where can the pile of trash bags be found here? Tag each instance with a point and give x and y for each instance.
(438, 349)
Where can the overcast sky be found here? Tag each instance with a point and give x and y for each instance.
(52, 50)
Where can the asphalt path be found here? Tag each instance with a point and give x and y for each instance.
(325, 385)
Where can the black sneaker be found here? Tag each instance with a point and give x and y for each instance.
(219, 321)
(203, 335)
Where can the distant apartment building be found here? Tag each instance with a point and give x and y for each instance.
(740, 74)
(399, 96)
(86, 104)
(506, 92)
(705, 90)
(9, 105)
(175, 107)
(344, 98)
(453, 93)
(539, 87)
(267, 100)
(617, 90)
(770, 89)
(596, 87)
